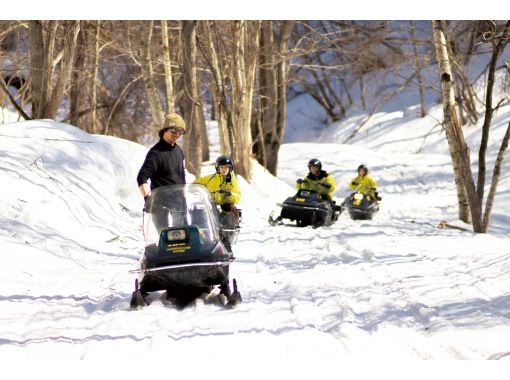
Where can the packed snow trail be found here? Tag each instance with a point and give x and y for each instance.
(394, 287)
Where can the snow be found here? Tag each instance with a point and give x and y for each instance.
(389, 290)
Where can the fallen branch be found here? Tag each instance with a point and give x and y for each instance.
(444, 224)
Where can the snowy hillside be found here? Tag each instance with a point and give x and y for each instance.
(396, 287)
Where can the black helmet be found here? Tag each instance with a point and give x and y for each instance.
(315, 162)
(223, 160)
(363, 166)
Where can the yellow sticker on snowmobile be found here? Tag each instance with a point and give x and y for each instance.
(300, 199)
(178, 248)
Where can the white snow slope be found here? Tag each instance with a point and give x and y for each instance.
(396, 287)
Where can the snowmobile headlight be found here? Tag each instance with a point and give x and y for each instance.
(358, 196)
(174, 235)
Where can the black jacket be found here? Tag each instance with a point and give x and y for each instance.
(320, 175)
(163, 165)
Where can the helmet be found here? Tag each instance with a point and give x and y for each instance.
(363, 166)
(223, 160)
(172, 120)
(315, 162)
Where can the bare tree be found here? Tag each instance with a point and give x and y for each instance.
(46, 97)
(458, 147)
(232, 63)
(273, 71)
(148, 72)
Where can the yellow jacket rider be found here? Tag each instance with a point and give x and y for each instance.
(364, 183)
(223, 184)
(317, 180)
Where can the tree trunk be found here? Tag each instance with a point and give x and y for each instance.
(246, 40)
(220, 102)
(418, 68)
(93, 79)
(192, 141)
(170, 96)
(489, 110)
(265, 126)
(148, 74)
(206, 156)
(495, 180)
(76, 81)
(270, 126)
(362, 92)
(71, 30)
(456, 143)
(37, 59)
(47, 75)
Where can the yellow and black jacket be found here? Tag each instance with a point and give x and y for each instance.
(225, 183)
(323, 183)
(364, 184)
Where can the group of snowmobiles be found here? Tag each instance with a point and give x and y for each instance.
(189, 238)
(310, 208)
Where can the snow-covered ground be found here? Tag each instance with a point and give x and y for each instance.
(396, 287)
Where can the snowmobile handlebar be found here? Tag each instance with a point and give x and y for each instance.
(222, 191)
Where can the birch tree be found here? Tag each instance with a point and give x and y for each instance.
(456, 142)
(167, 64)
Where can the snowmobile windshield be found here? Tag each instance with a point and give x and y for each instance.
(181, 206)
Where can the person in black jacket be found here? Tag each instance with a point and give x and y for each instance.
(164, 165)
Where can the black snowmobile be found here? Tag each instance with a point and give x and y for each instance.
(187, 253)
(361, 206)
(307, 208)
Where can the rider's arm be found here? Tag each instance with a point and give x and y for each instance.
(144, 189)
(146, 171)
(373, 184)
(331, 182)
(354, 183)
(234, 194)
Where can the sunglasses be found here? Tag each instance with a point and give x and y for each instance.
(176, 130)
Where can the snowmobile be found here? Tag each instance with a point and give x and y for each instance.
(186, 253)
(307, 207)
(361, 206)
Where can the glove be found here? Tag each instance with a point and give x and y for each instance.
(300, 180)
(227, 193)
(147, 202)
(326, 185)
(354, 183)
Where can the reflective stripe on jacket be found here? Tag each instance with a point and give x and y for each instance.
(216, 181)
